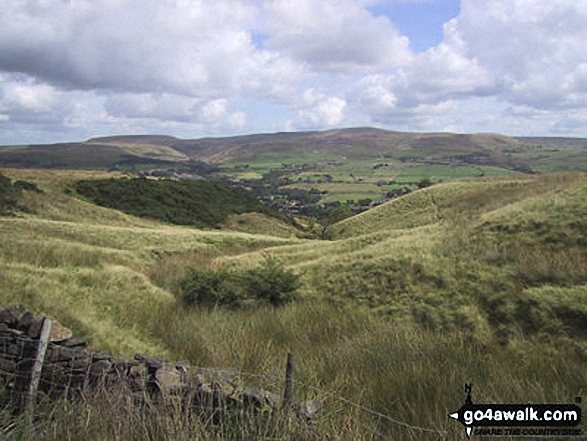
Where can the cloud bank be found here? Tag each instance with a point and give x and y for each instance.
(80, 68)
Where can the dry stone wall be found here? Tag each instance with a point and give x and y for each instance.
(69, 367)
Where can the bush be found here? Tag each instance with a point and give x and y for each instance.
(185, 202)
(208, 288)
(270, 283)
(426, 182)
(9, 195)
(28, 186)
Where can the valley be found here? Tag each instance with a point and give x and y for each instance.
(470, 280)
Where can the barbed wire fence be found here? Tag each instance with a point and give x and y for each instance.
(31, 375)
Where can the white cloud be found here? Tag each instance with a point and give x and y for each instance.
(214, 109)
(163, 106)
(199, 67)
(190, 48)
(29, 96)
(528, 53)
(530, 47)
(335, 35)
(319, 110)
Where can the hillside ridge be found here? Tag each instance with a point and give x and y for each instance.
(357, 142)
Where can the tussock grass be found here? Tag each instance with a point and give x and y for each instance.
(113, 415)
(114, 307)
(401, 370)
(257, 223)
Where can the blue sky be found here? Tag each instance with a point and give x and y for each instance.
(71, 70)
(421, 21)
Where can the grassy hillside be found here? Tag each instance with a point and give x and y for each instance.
(477, 280)
(487, 252)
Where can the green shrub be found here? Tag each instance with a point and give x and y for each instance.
(208, 288)
(425, 182)
(28, 186)
(184, 202)
(272, 282)
(9, 195)
(269, 283)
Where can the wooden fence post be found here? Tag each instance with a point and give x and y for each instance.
(289, 380)
(38, 364)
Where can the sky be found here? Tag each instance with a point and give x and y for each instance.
(75, 69)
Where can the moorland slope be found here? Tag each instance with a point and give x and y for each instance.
(481, 280)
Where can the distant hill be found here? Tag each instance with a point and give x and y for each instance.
(152, 151)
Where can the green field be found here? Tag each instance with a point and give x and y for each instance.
(365, 179)
(357, 156)
(475, 280)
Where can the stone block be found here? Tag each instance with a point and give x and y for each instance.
(12, 315)
(73, 342)
(7, 364)
(59, 354)
(14, 348)
(137, 377)
(25, 321)
(100, 356)
(152, 363)
(58, 332)
(168, 380)
(100, 369)
(309, 409)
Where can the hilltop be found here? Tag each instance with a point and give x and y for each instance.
(325, 176)
(514, 153)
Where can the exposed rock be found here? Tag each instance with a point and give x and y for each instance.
(100, 356)
(74, 342)
(25, 321)
(168, 380)
(58, 332)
